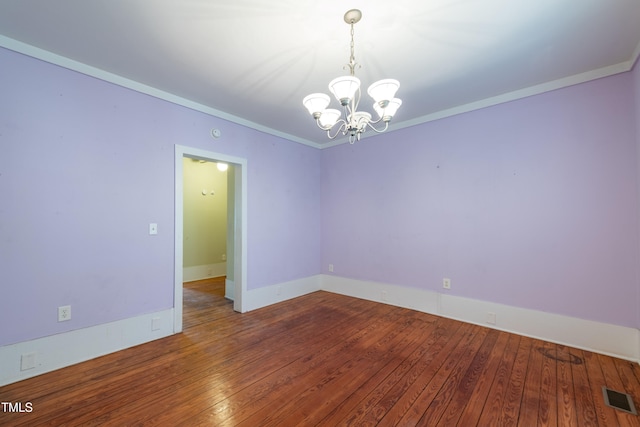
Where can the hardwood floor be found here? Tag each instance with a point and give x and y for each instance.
(326, 359)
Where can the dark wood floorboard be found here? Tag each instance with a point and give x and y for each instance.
(328, 360)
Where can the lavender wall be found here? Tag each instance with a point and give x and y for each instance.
(531, 203)
(85, 166)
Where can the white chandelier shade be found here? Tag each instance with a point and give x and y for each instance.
(329, 118)
(383, 90)
(389, 111)
(316, 103)
(346, 90)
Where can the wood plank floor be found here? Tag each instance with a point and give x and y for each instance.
(326, 359)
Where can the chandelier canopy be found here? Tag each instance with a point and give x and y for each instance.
(347, 92)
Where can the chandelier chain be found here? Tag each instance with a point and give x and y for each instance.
(352, 59)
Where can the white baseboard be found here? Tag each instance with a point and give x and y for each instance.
(262, 297)
(57, 351)
(206, 271)
(61, 350)
(66, 349)
(614, 340)
(229, 289)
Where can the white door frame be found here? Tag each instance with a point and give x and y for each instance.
(240, 227)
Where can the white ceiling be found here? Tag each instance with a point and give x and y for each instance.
(252, 61)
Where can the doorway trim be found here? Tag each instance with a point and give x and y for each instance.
(240, 227)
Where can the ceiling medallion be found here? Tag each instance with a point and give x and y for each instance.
(346, 90)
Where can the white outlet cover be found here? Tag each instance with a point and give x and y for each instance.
(27, 361)
(64, 313)
(155, 324)
(491, 318)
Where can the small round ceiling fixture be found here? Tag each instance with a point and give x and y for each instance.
(215, 133)
(352, 16)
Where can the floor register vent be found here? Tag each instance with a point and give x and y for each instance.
(617, 400)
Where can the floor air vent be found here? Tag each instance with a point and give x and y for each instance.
(617, 400)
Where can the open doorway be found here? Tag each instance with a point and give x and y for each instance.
(207, 215)
(236, 236)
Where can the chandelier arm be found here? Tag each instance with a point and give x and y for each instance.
(373, 122)
(370, 124)
(340, 129)
(347, 110)
(356, 100)
(342, 123)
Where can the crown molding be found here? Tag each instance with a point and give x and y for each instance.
(88, 70)
(100, 74)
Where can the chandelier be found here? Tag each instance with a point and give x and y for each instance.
(346, 90)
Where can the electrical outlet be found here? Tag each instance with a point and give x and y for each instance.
(491, 318)
(64, 313)
(383, 295)
(446, 283)
(330, 268)
(27, 361)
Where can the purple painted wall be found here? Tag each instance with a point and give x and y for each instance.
(85, 166)
(531, 203)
